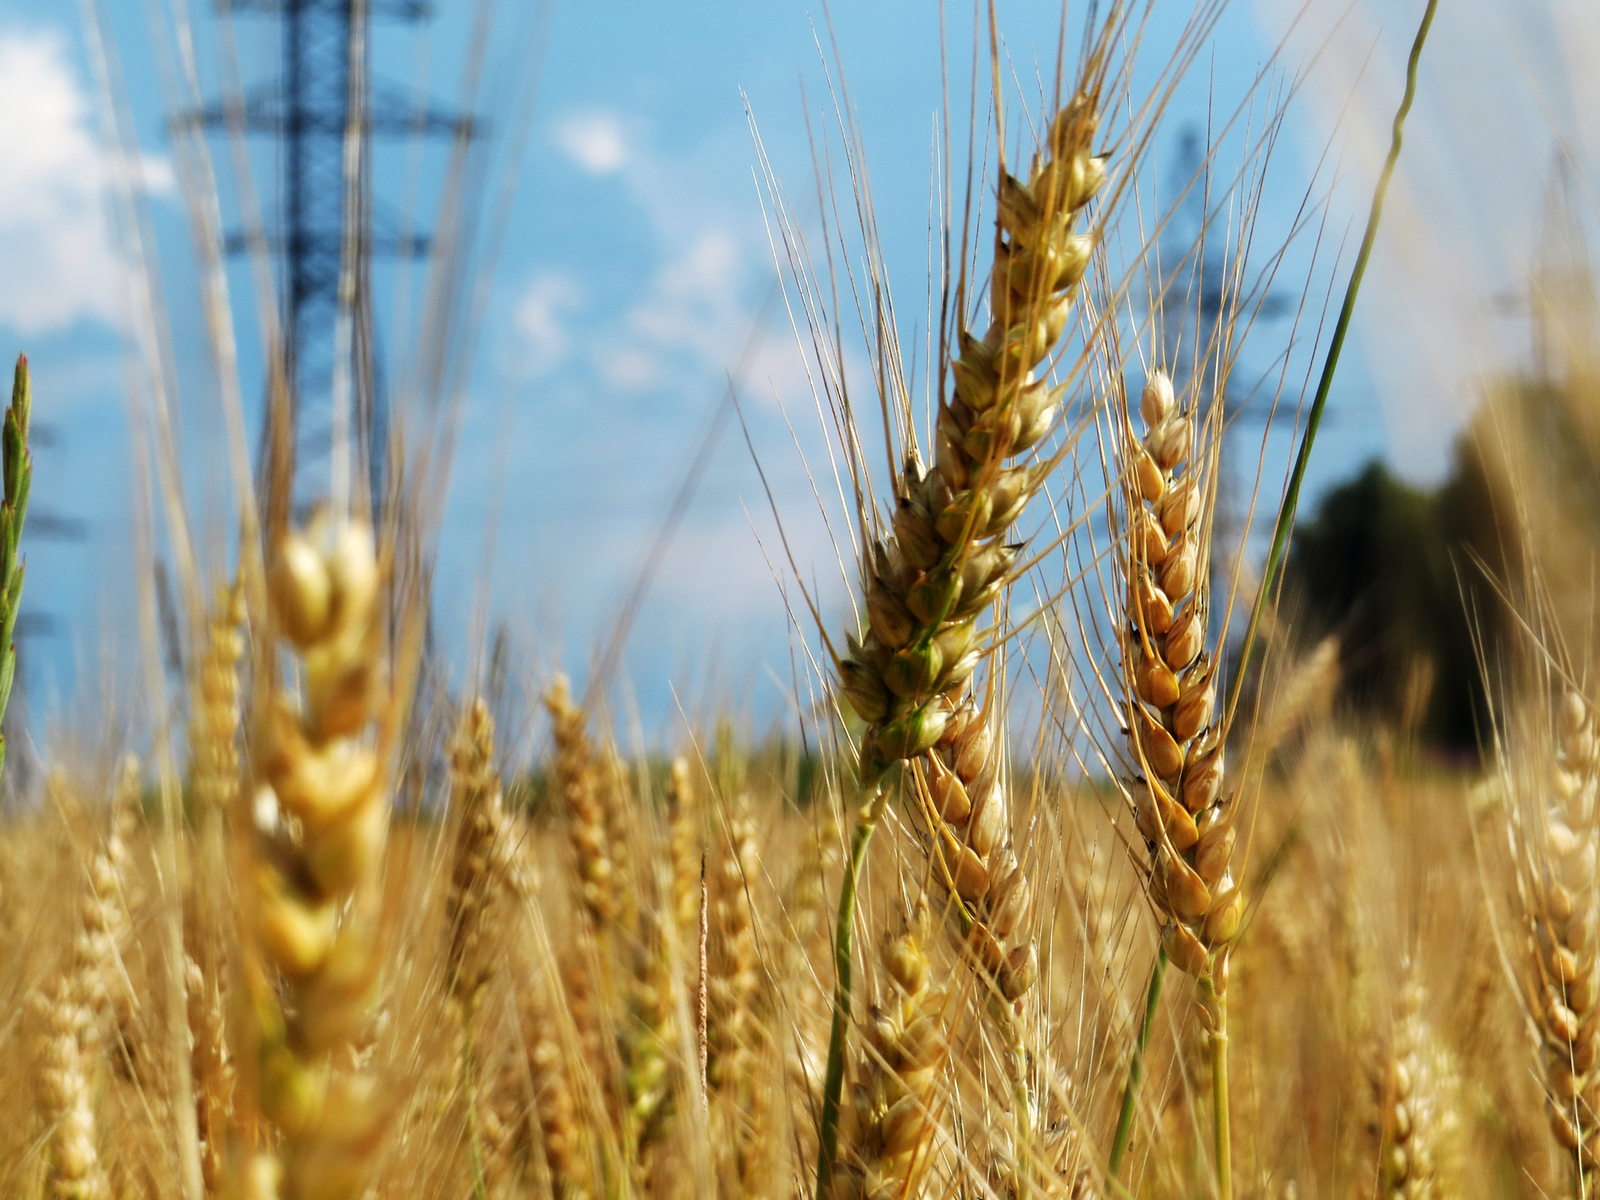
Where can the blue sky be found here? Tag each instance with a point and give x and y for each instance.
(635, 266)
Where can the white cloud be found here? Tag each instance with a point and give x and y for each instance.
(60, 260)
(594, 140)
(540, 320)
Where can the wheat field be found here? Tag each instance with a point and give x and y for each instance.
(1086, 871)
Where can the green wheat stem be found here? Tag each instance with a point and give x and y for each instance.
(1217, 1003)
(833, 1079)
(1291, 498)
(17, 460)
(1130, 1091)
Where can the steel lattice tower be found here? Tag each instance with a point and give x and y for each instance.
(307, 109)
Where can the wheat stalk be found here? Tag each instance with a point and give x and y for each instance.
(926, 584)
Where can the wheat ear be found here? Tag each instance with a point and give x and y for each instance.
(1564, 982)
(892, 1123)
(577, 772)
(482, 863)
(214, 750)
(566, 1146)
(644, 1041)
(318, 903)
(926, 584)
(74, 1012)
(971, 819)
(733, 981)
(17, 462)
(212, 1067)
(686, 851)
(1170, 692)
(1416, 1113)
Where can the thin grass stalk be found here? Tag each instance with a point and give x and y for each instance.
(1291, 496)
(833, 1078)
(17, 460)
(1130, 1091)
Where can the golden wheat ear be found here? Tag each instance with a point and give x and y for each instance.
(323, 780)
(1417, 1117)
(1562, 981)
(1170, 687)
(75, 1011)
(926, 585)
(578, 776)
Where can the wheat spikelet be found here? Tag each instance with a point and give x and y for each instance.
(1170, 683)
(927, 583)
(577, 773)
(887, 1144)
(1563, 980)
(316, 870)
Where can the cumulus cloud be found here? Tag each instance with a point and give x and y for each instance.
(594, 140)
(62, 265)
